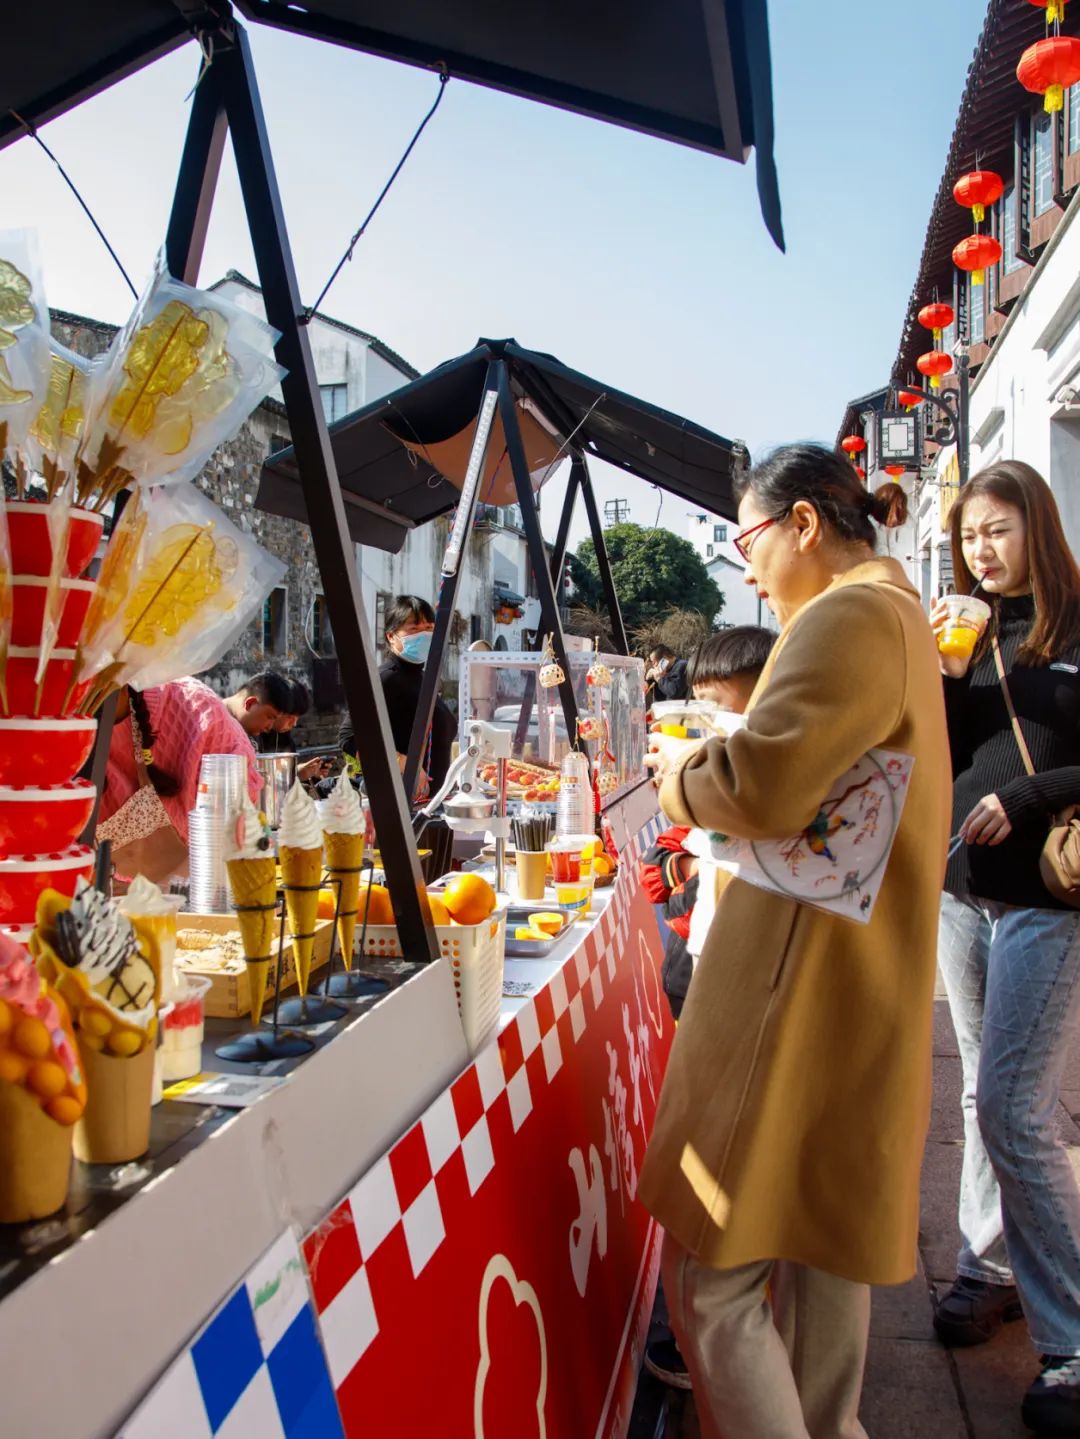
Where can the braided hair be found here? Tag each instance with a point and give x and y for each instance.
(164, 783)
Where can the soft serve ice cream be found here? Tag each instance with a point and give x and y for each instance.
(343, 823)
(300, 845)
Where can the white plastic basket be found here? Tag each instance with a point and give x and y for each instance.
(477, 953)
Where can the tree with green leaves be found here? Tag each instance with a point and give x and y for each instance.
(655, 572)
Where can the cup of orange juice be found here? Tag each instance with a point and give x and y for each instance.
(572, 871)
(968, 617)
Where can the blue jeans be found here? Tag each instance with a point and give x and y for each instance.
(1012, 979)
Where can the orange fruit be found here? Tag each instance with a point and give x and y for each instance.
(469, 898)
(327, 903)
(601, 864)
(377, 902)
(439, 912)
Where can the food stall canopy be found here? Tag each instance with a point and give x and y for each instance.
(694, 71)
(394, 456)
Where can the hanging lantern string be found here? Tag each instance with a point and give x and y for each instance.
(32, 132)
(444, 76)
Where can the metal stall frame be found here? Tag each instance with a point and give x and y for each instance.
(546, 572)
(227, 102)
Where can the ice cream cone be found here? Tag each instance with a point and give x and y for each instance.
(301, 870)
(35, 1158)
(344, 856)
(255, 900)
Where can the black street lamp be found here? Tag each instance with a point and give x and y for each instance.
(954, 405)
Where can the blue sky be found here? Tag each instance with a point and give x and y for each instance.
(642, 263)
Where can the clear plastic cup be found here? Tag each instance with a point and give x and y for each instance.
(161, 924)
(968, 617)
(572, 873)
(183, 1028)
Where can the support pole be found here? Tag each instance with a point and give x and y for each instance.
(196, 184)
(603, 563)
(534, 538)
(233, 72)
(562, 539)
(449, 581)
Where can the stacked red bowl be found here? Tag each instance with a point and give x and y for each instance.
(44, 807)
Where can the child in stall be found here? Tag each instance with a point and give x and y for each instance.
(677, 875)
(722, 672)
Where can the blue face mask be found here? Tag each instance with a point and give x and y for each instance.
(416, 648)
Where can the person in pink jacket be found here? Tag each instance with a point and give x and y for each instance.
(157, 745)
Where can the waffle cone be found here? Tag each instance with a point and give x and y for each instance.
(344, 856)
(35, 1158)
(254, 883)
(301, 870)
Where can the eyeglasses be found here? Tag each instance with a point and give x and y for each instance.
(740, 540)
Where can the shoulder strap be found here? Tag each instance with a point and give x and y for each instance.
(1025, 753)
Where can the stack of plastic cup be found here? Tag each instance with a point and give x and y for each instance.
(222, 785)
(575, 811)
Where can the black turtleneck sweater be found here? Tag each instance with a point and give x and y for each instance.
(986, 760)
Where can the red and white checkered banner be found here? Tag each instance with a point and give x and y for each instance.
(493, 1274)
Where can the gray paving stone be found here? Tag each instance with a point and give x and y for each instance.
(909, 1392)
(946, 1117)
(939, 1234)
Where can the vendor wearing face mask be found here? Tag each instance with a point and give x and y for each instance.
(410, 623)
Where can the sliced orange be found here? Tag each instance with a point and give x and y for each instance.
(547, 920)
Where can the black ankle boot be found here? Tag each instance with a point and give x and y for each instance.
(1052, 1404)
(972, 1311)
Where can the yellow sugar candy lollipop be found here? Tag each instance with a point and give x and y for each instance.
(162, 356)
(209, 390)
(189, 569)
(15, 312)
(62, 414)
(117, 568)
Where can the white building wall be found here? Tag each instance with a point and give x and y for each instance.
(1020, 403)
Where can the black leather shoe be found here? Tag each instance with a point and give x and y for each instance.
(1052, 1404)
(972, 1311)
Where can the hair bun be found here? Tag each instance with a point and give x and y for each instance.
(888, 506)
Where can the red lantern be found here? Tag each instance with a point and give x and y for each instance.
(934, 363)
(1049, 67)
(852, 445)
(860, 472)
(894, 472)
(1055, 9)
(910, 398)
(975, 253)
(935, 317)
(976, 190)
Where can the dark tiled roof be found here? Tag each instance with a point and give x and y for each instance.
(383, 351)
(983, 135)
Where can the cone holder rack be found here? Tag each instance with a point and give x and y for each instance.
(272, 1043)
(351, 984)
(313, 1008)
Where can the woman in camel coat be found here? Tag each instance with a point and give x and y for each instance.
(789, 1137)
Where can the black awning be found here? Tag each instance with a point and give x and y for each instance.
(390, 482)
(694, 71)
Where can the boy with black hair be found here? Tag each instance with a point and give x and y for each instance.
(723, 671)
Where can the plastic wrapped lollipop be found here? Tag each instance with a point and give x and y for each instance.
(24, 346)
(181, 377)
(179, 582)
